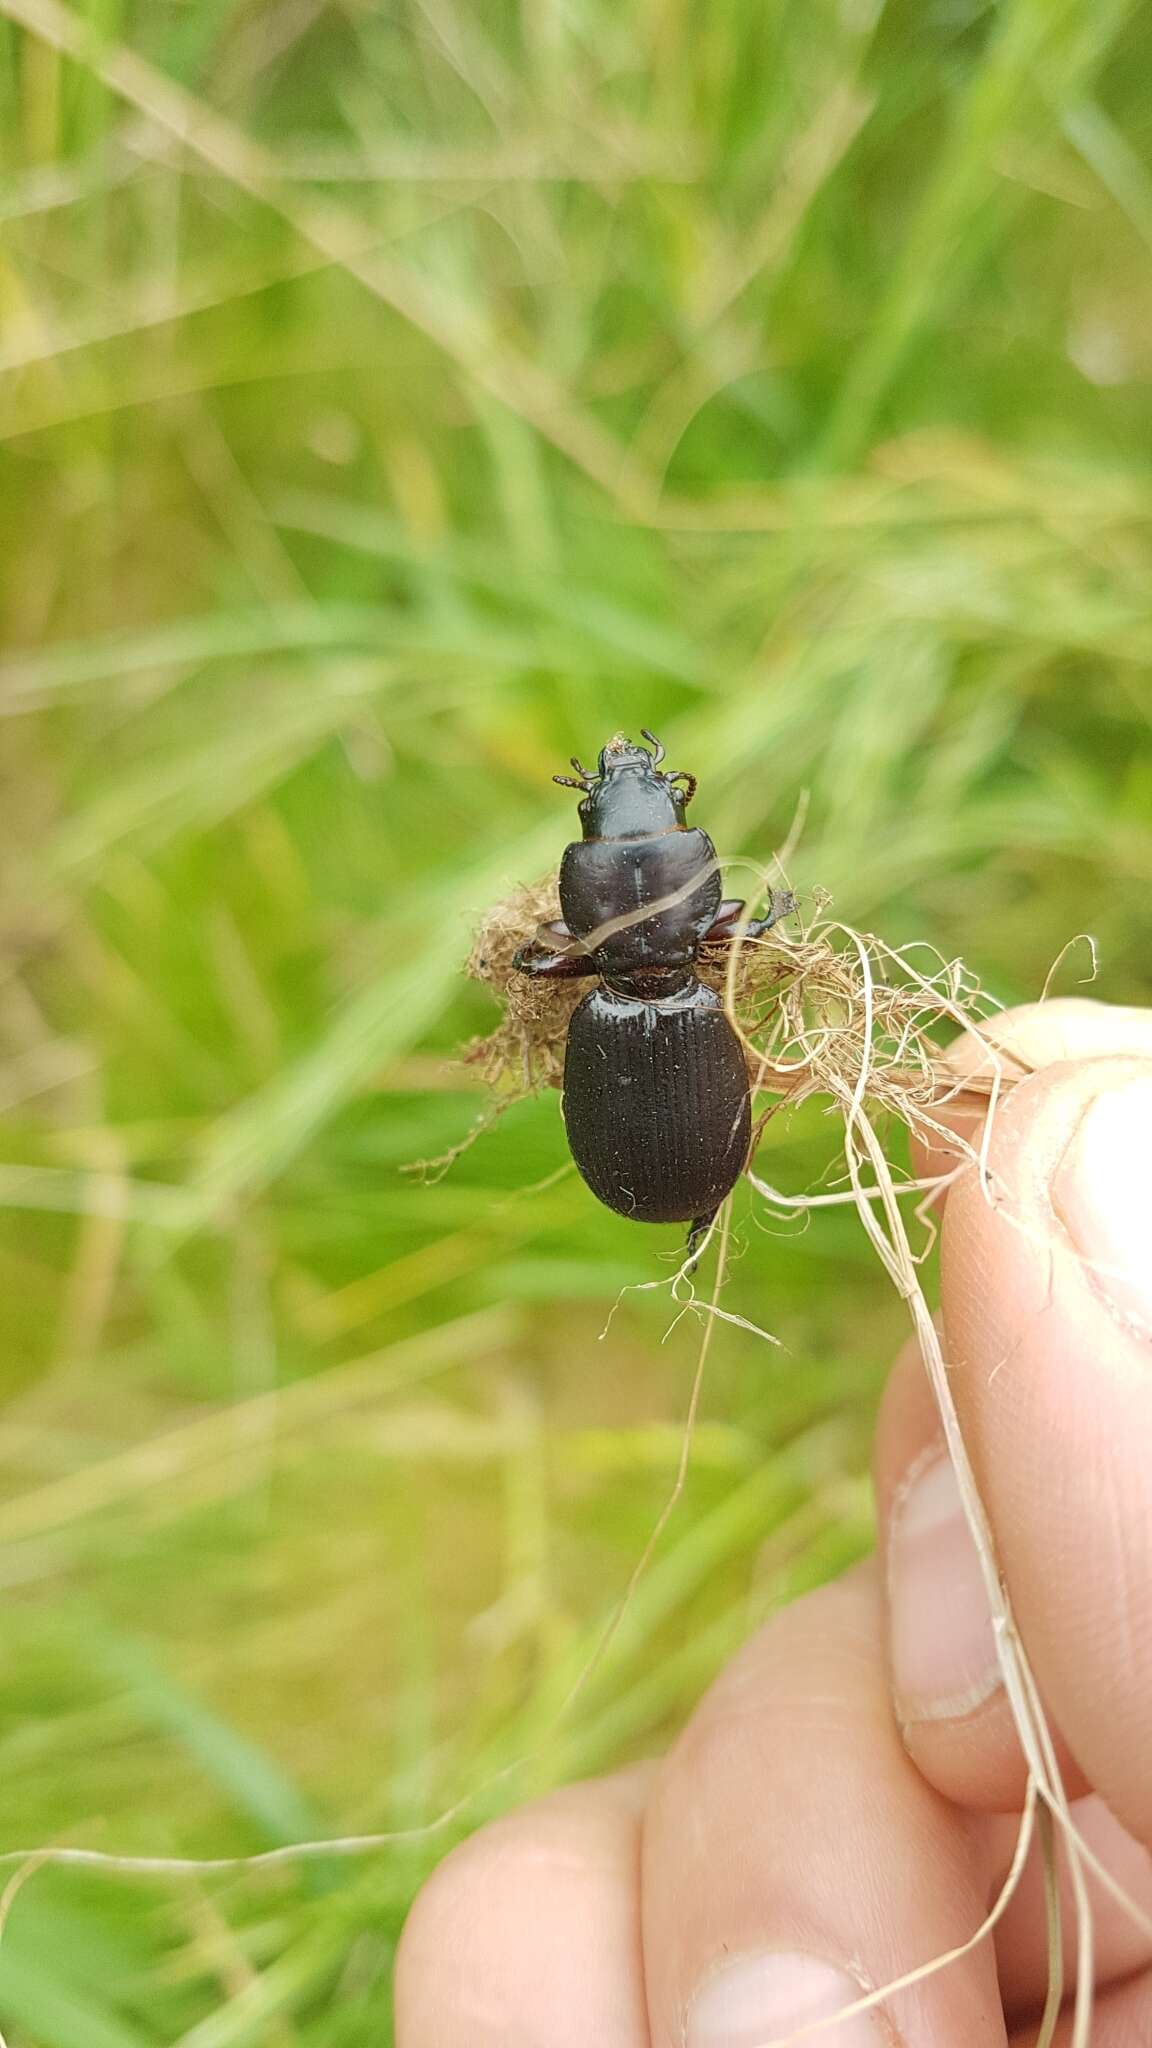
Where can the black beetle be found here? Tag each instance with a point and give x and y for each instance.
(656, 1103)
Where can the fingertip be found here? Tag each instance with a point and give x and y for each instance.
(529, 1930)
(1032, 1036)
(1008, 1047)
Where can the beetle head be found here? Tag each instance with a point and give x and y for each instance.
(629, 796)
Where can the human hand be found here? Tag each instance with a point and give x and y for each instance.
(843, 1805)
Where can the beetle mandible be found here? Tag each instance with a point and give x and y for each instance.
(656, 1099)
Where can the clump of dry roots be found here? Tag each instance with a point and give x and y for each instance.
(526, 1050)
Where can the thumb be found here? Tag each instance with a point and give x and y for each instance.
(1047, 1303)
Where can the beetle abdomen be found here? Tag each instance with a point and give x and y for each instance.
(656, 1103)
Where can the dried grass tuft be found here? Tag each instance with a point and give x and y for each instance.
(526, 1050)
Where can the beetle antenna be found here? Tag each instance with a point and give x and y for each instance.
(689, 781)
(570, 782)
(582, 771)
(654, 742)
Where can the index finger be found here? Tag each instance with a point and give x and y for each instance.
(1016, 1043)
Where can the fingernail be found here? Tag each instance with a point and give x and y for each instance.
(760, 1999)
(943, 1650)
(1100, 1192)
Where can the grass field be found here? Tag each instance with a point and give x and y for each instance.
(394, 400)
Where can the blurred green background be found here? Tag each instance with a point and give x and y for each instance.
(395, 399)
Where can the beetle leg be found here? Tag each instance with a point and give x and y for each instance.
(553, 966)
(689, 781)
(781, 904)
(563, 960)
(652, 740)
(694, 1243)
(723, 925)
(727, 922)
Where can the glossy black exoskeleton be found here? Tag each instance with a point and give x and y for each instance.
(656, 1097)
